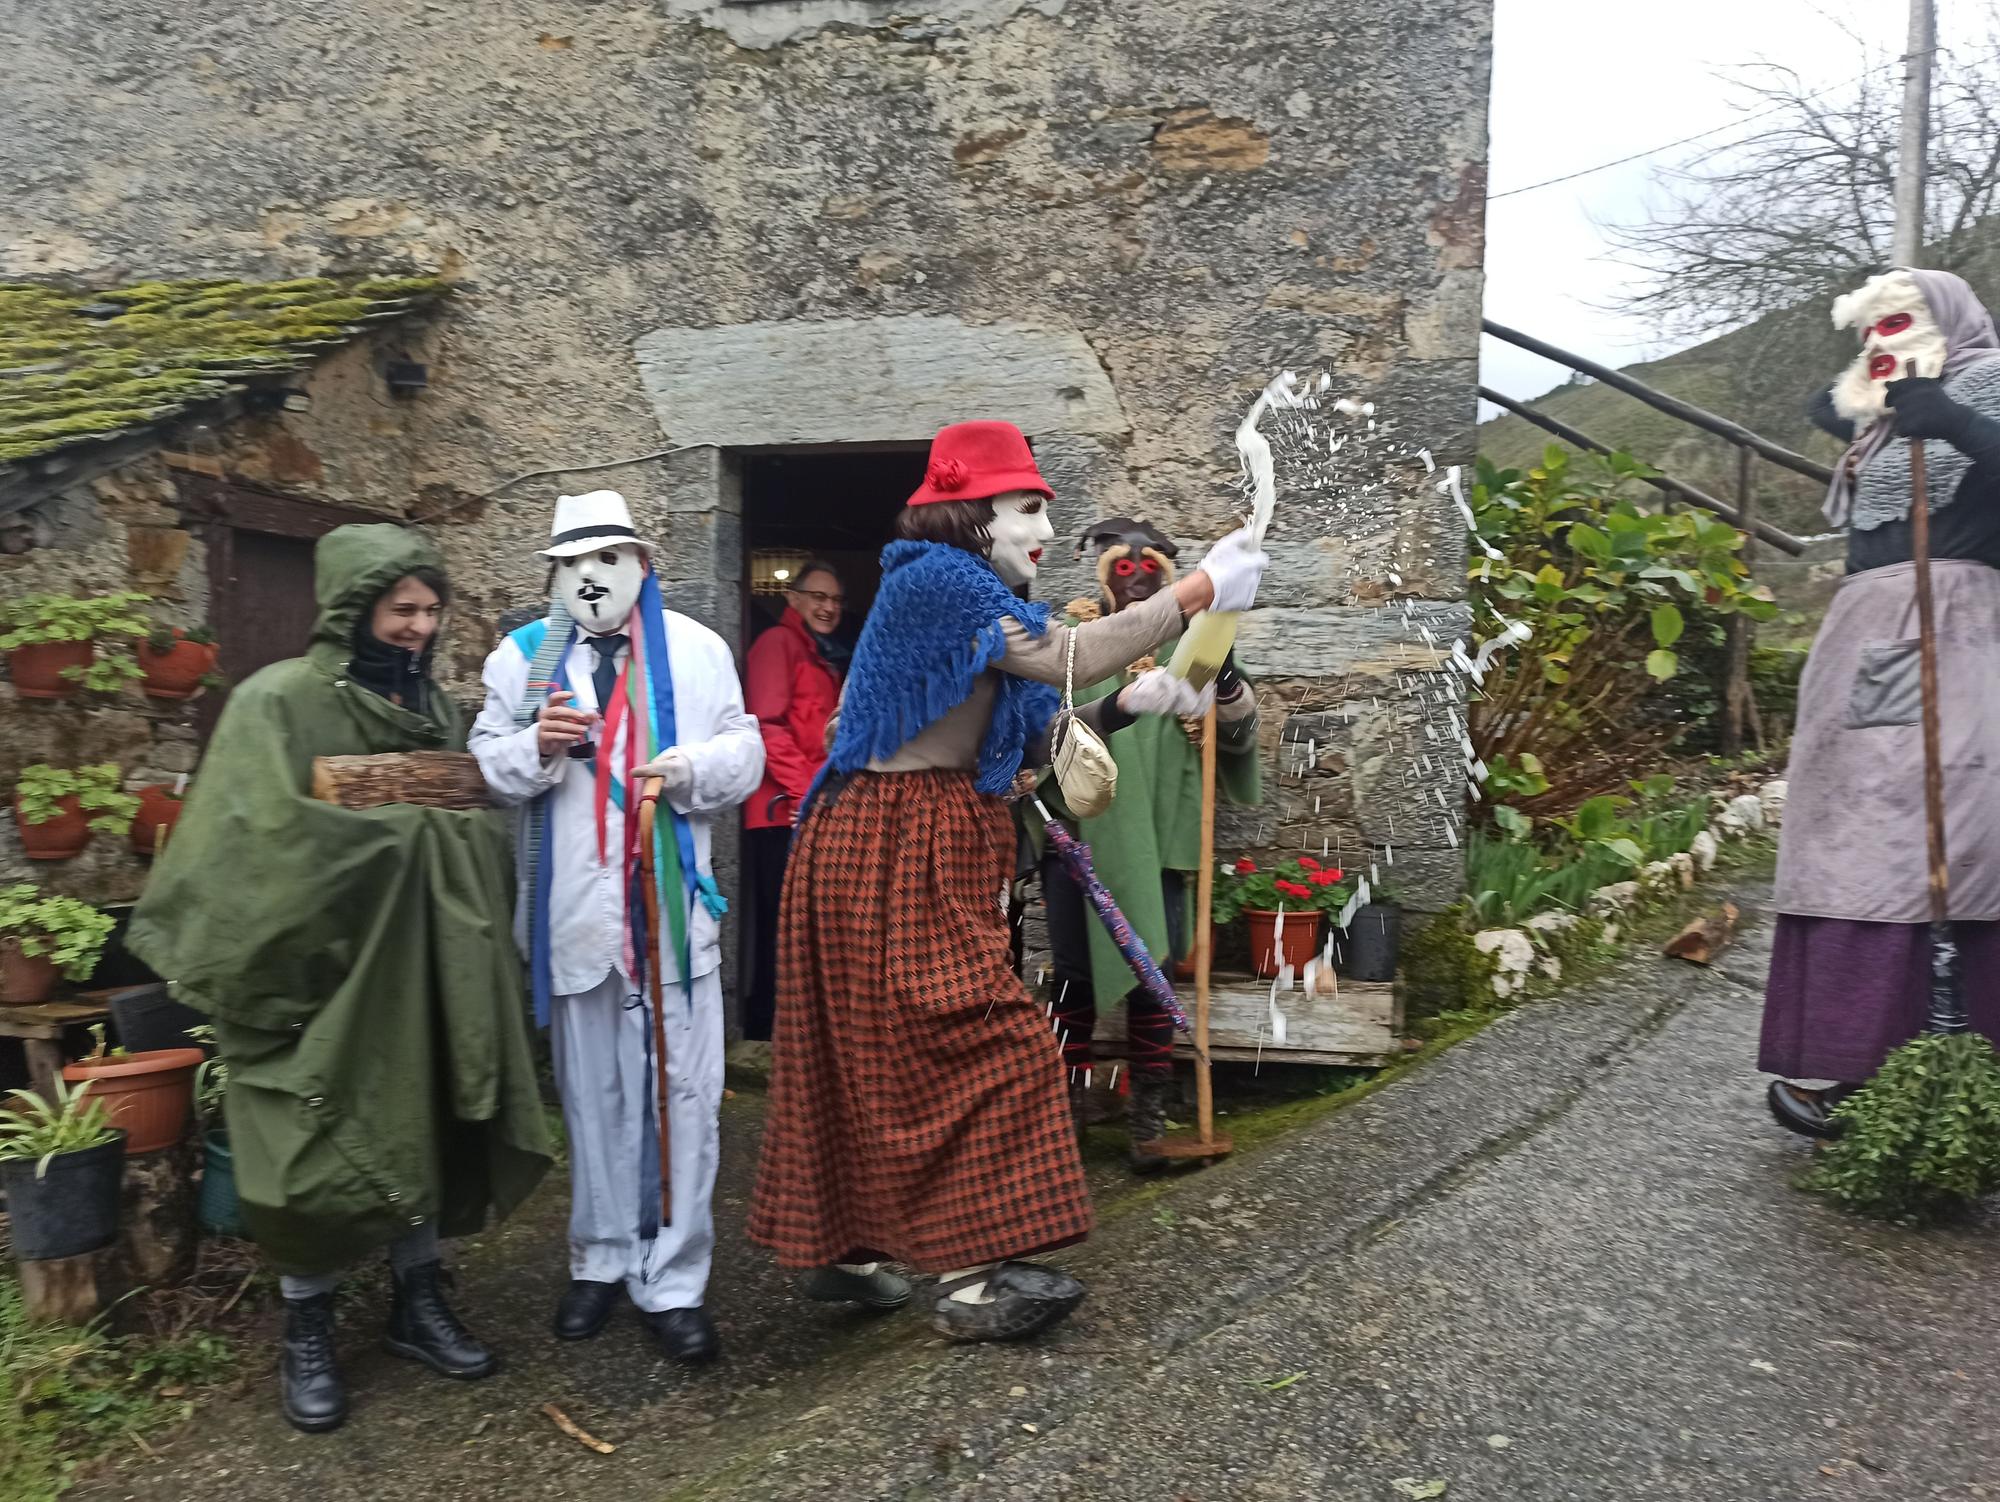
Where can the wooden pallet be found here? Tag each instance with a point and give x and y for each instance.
(1360, 1026)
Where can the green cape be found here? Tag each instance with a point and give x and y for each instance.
(1153, 825)
(359, 964)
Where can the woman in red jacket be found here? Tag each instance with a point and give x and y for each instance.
(791, 685)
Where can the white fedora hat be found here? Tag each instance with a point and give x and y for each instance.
(586, 523)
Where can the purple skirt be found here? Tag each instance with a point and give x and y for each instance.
(1844, 995)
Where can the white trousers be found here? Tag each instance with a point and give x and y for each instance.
(599, 1038)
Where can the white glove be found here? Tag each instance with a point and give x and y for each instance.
(675, 771)
(1234, 566)
(1158, 691)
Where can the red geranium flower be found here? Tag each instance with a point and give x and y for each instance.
(1246, 866)
(1325, 878)
(1307, 863)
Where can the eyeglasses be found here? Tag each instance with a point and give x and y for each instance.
(821, 597)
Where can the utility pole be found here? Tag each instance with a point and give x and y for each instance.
(1913, 147)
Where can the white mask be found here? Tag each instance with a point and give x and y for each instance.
(601, 588)
(1020, 530)
(1896, 328)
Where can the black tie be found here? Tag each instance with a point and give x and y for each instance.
(605, 677)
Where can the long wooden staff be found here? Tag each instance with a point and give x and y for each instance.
(1204, 1145)
(649, 803)
(1947, 1006)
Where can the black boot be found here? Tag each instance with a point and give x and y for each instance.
(308, 1380)
(686, 1335)
(423, 1327)
(1146, 1119)
(584, 1308)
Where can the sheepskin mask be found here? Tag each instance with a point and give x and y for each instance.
(1896, 327)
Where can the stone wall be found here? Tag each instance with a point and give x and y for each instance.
(1191, 193)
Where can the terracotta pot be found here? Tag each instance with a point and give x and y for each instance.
(56, 839)
(1184, 969)
(158, 809)
(149, 1095)
(26, 980)
(177, 672)
(37, 670)
(1269, 950)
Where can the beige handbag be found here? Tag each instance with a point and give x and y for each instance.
(1085, 770)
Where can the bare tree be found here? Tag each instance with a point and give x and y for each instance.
(1803, 203)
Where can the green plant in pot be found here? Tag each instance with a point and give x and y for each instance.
(58, 644)
(176, 661)
(159, 810)
(62, 1162)
(43, 938)
(57, 809)
(148, 1094)
(219, 1207)
(1282, 905)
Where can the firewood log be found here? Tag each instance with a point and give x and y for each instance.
(430, 779)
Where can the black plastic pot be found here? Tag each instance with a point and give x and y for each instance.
(148, 1019)
(1374, 940)
(70, 1210)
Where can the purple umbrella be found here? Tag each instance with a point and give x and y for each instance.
(1152, 980)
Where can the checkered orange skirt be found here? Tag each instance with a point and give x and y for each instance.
(918, 1111)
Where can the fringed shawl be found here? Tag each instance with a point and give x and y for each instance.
(938, 622)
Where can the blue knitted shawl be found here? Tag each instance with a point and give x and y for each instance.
(935, 627)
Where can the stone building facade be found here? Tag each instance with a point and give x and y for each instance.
(775, 236)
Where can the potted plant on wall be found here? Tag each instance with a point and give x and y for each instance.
(148, 1094)
(52, 641)
(159, 810)
(175, 662)
(62, 1162)
(42, 938)
(1282, 906)
(220, 1211)
(1374, 938)
(57, 809)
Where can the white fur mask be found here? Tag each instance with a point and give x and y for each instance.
(601, 588)
(1896, 328)
(1021, 529)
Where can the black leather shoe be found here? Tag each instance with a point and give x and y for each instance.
(1026, 1299)
(423, 1328)
(584, 1308)
(1806, 1111)
(308, 1381)
(686, 1335)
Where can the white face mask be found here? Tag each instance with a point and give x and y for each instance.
(601, 588)
(1896, 329)
(1021, 529)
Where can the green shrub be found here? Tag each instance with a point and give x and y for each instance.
(99, 790)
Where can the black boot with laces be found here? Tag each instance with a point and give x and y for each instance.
(308, 1381)
(423, 1327)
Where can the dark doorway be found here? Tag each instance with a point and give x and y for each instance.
(835, 504)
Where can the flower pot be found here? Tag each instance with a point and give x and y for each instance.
(71, 1209)
(1374, 940)
(150, 1095)
(218, 1209)
(1184, 968)
(1270, 949)
(177, 672)
(148, 1020)
(26, 980)
(56, 839)
(158, 809)
(37, 671)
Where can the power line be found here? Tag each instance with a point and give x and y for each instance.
(1701, 135)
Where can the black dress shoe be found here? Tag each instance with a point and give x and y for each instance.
(686, 1335)
(1806, 1111)
(308, 1382)
(423, 1327)
(1026, 1298)
(584, 1308)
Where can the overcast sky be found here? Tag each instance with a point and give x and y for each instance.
(1580, 82)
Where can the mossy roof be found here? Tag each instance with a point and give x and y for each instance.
(81, 366)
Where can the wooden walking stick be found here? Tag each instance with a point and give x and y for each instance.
(649, 803)
(1205, 1144)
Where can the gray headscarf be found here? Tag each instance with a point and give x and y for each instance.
(1969, 339)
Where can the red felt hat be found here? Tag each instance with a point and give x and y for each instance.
(974, 461)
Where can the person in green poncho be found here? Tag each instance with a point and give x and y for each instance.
(1146, 846)
(360, 970)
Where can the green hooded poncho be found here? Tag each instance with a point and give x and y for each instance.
(1152, 825)
(359, 964)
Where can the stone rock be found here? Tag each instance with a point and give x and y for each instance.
(1545, 928)
(1741, 817)
(1683, 867)
(1614, 898)
(1704, 850)
(1658, 876)
(1513, 956)
(1550, 966)
(1771, 797)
